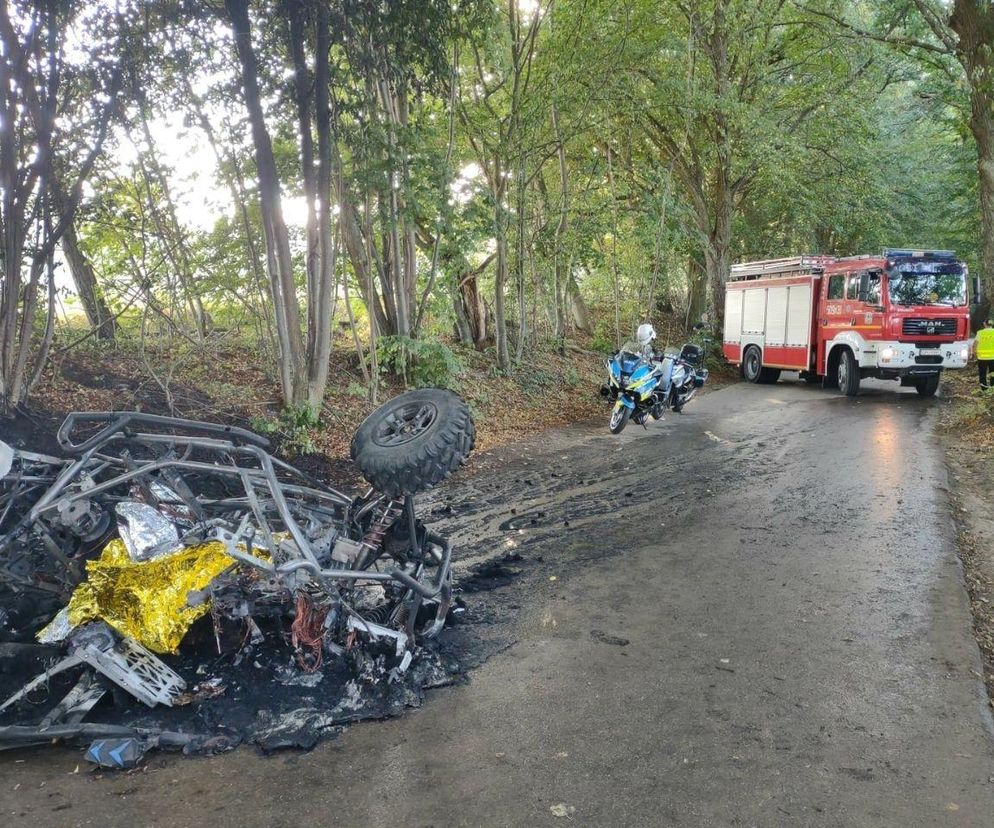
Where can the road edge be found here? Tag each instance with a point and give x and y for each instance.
(974, 536)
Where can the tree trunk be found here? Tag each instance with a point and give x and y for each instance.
(972, 23)
(355, 245)
(578, 306)
(98, 315)
(398, 241)
(303, 86)
(470, 306)
(519, 262)
(322, 315)
(614, 251)
(464, 332)
(982, 127)
(228, 160)
(500, 280)
(697, 290)
(279, 262)
(561, 274)
(476, 312)
(28, 185)
(717, 256)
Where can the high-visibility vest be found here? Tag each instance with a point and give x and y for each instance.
(985, 343)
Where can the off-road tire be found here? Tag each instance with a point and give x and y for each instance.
(414, 441)
(927, 386)
(848, 374)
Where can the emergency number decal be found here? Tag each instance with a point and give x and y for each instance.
(833, 308)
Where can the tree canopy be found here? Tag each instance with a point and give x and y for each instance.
(421, 175)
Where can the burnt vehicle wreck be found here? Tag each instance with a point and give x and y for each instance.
(167, 579)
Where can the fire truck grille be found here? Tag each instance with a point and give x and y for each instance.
(928, 360)
(929, 327)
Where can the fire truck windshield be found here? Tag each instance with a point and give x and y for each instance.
(927, 283)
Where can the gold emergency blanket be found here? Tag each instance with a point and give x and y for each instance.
(147, 601)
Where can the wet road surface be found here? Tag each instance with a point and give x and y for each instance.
(750, 614)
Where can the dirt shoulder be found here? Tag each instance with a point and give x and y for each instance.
(967, 434)
(228, 384)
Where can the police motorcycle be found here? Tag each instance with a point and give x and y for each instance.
(643, 383)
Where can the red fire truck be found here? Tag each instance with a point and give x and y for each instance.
(902, 315)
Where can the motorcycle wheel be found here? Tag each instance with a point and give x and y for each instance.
(683, 399)
(619, 419)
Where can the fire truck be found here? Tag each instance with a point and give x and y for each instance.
(903, 315)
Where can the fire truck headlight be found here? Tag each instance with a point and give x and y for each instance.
(887, 354)
(964, 354)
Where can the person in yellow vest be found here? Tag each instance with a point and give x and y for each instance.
(985, 352)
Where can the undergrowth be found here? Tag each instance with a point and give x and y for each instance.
(293, 428)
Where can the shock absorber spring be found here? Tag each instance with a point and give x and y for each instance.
(384, 518)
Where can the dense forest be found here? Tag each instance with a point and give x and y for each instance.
(415, 177)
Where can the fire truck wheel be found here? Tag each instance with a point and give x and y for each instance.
(927, 386)
(752, 364)
(848, 373)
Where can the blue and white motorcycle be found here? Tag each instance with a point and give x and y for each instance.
(643, 384)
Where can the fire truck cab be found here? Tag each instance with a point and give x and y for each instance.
(902, 315)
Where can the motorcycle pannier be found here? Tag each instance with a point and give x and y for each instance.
(694, 354)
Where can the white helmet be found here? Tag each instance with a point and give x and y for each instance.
(645, 334)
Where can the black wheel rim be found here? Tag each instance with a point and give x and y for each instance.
(405, 424)
(752, 365)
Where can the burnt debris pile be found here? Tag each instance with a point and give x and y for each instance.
(170, 583)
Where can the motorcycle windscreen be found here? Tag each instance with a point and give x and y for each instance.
(614, 369)
(628, 360)
(666, 374)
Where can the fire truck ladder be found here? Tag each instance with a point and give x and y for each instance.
(779, 268)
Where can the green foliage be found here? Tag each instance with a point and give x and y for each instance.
(292, 428)
(604, 337)
(820, 141)
(425, 364)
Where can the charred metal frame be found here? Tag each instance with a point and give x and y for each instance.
(275, 500)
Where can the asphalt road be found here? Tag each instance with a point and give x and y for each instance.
(750, 614)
